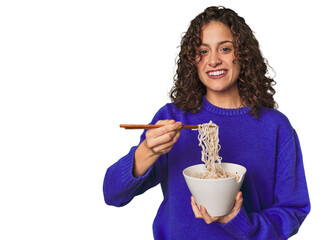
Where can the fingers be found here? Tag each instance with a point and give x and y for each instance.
(235, 209)
(164, 135)
(164, 148)
(207, 218)
(195, 208)
(238, 203)
(170, 126)
(161, 140)
(202, 213)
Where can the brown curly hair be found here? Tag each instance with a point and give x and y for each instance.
(255, 88)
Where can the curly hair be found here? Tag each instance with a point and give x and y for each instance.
(255, 88)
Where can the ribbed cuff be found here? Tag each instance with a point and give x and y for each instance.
(239, 226)
(126, 171)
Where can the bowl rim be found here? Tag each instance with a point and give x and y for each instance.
(212, 179)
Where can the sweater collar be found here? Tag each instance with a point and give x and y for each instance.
(224, 111)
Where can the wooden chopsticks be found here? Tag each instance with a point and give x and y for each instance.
(142, 126)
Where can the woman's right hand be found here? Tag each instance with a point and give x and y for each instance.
(158, 141)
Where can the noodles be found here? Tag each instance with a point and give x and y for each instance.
(208, 140)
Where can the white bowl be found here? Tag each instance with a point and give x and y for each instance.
(216, 195)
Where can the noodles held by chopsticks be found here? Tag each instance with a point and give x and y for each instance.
(208, 140)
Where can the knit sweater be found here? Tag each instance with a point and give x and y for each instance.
(274, 190)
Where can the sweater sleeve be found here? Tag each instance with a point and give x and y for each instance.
(291, 202)
(120, 186)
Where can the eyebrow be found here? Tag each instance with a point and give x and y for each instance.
(220, 43)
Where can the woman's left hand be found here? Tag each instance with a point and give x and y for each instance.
(202, 212)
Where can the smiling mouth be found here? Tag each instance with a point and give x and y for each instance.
(217, 74)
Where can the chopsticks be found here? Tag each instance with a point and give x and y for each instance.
(142, 126)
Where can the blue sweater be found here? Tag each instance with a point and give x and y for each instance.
(275, 193)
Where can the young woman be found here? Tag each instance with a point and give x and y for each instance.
(221, 77)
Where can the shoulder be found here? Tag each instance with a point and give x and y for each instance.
(274, 116)
(278, 122)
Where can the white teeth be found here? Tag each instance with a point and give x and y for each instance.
(216, 73)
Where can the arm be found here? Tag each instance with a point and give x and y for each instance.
(143, 167)
(291, 201)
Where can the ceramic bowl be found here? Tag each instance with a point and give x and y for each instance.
(217, 195)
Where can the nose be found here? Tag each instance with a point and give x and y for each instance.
(214, 60)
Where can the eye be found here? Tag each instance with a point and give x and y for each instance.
(225, 49)
(203, 52)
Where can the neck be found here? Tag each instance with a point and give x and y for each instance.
(224, 100)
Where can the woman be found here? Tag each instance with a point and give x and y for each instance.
(221, 76)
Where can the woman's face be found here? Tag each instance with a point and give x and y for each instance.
(217, 69)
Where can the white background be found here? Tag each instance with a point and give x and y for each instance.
(72, 71)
